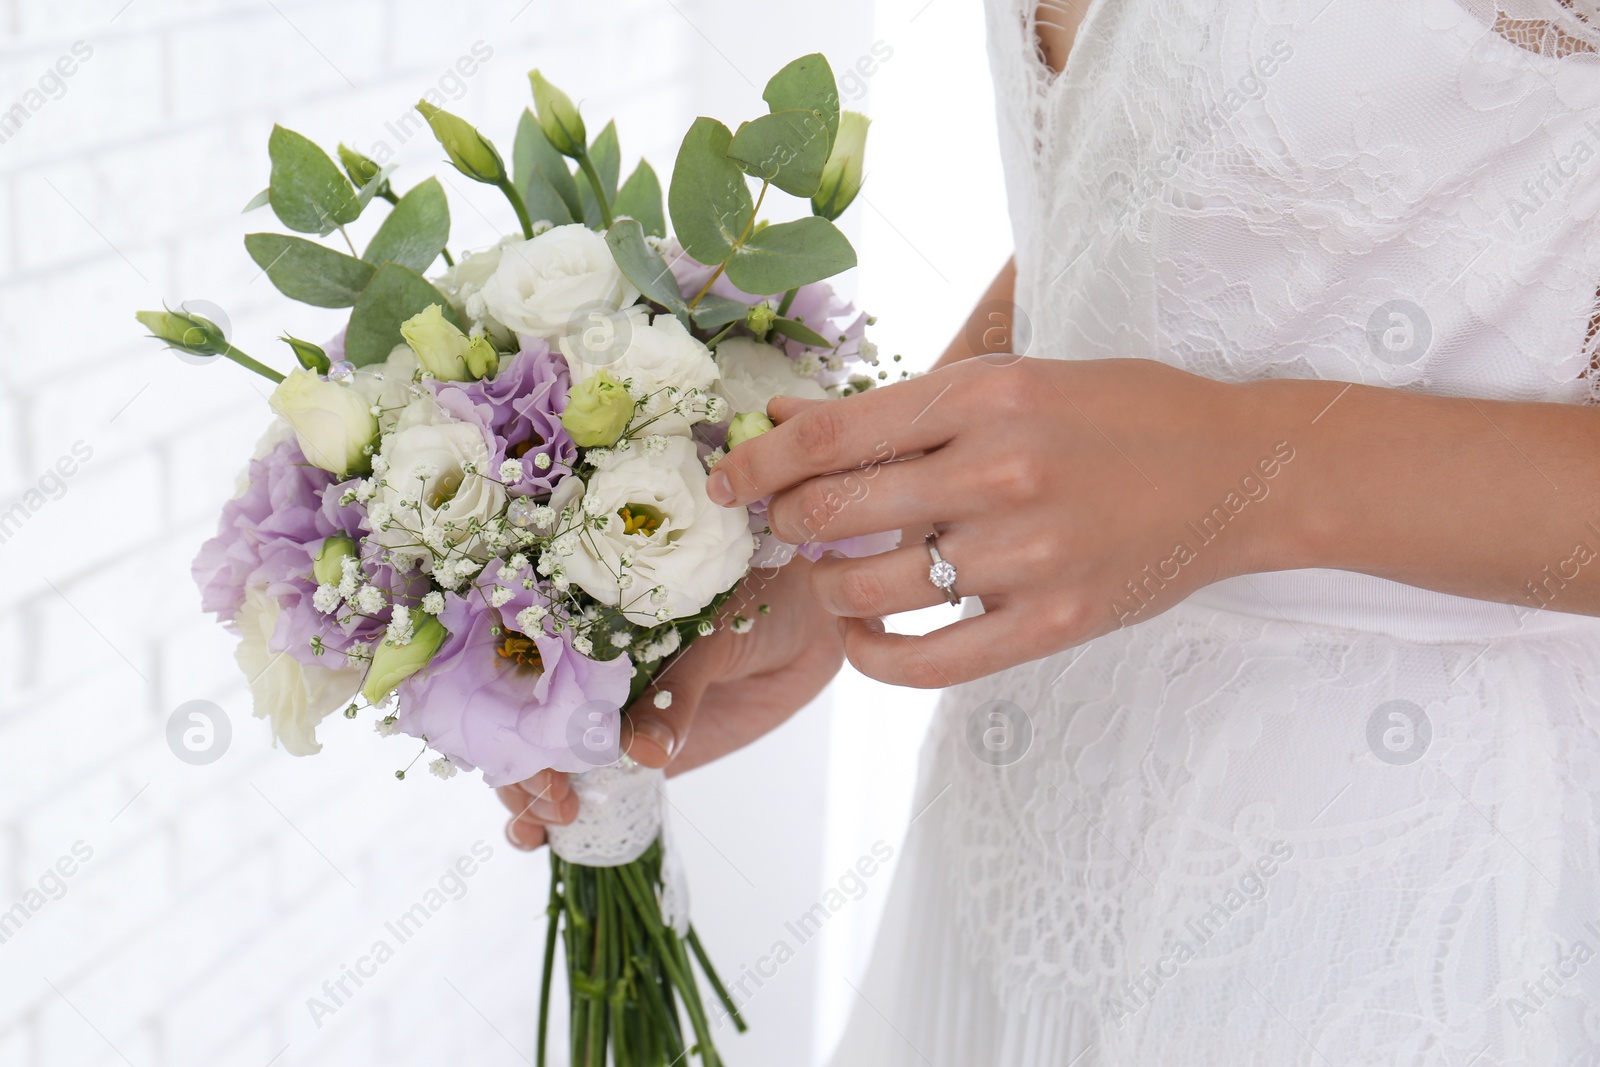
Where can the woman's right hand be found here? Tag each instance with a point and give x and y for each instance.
(727, 690)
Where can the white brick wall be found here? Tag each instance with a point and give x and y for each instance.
(219, 898)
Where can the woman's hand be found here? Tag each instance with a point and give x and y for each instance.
(1064, 493)
(727, 690)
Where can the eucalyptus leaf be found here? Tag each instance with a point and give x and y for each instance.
(789, 254)
(376, 186)
(540, 173)
(642, 266)
(710, 203)
(640, 198)
(606, 155)
(786, 148)
(309, 193)
(261, 199)
(799, 331)
(416, 230)
(806, 84)
(308, 272)
(714, 312)
(394, 295)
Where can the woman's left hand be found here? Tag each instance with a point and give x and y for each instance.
(1073, 497)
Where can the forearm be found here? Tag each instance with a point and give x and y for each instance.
(1493, 500)
(991, 326)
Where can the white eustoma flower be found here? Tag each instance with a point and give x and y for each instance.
(333, 423)
(388, 387)
(547, 287)
(655, 510)
(292, 696)
(429, 495)
(753, 373)
(463, 285)
(663, 364)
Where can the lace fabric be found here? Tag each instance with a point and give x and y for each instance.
(1304, 818)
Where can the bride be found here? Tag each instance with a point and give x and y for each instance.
(1271, 477)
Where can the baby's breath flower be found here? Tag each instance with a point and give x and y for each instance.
(714, 457)
(542, 460)
(433, 603)
(369, 600)
(742, 625)
(620, 639)
(582, 645)
(499, 596)
(662, 699)
(529, 618)
(442, 768)
(401, 627)
(326, 599)
(511, 470)
(385, 726)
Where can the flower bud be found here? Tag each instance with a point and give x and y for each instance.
(760, 320)
(745, 425)
(481, 358)
(393, 664)
(598, 410)
(841, 175)
(439, 345)
(468, 149)
(333, 423)
(311, 356)
(185, 331)
(328, 567)
(361, 169)
(558, 117)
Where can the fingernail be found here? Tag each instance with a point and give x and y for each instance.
(719, 488)
(547, 810)
(657, 733)
(511, 835)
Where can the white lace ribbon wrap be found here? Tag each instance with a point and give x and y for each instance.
(622, 809)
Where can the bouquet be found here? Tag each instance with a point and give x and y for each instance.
(481, 509)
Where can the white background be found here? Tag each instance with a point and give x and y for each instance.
(219, 898)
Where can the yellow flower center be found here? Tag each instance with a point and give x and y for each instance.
(521, 651)
(445, 491)
(640, 519)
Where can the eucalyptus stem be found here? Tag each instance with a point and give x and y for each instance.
(586, 165)
(505, 186)
(743, 237)
(716, 981)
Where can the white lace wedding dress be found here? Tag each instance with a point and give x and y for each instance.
(1306, 818)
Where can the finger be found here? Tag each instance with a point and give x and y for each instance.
(546, 784)
(964, 650)
(524, 836)
(870, 427)
(873, 499)
(657, 724)
(870, 587)
(543, 806)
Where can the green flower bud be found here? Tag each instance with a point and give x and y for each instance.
(745, 425)
(185, 331)
(841, 175)
(598, 410)
(558, 117)
(468, 149)
(481, 358)
(760, 320)
(333, 423)
(439, 345)
(328, 567)
(311, 356)
(393, 664)
(361, 169)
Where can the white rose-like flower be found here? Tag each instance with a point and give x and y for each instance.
(753, 373)
(462, 284)
(539, 286)
(680, 541)
(659, 359)
(387, 385)
(437, 483)
(286, 692)
(332, 422)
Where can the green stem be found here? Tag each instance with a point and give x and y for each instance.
(250, 364)
(445, 252)
(518, 206)
(671, 960)
(586, 165)
(716, 982)
(788, 299)
(553, 916)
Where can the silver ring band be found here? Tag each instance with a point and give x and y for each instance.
(942, 573)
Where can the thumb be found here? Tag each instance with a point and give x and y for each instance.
(652, 733)
(783, 408)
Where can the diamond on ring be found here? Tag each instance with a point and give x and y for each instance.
(942, 573)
